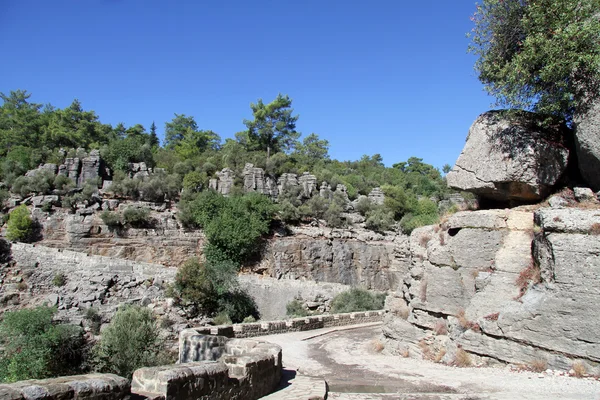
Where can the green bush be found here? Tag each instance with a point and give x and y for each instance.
(60, 279)
(222, 318)
(333, 215)
(110, 218)
(357, 299)
(20, 225)
(364, 205)
(33, 347)
(130, 341)
(211, 288)
(379, 220)
(94, 320)
(137, 216)
(295, 309)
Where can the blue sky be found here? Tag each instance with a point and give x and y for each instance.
(387, 77)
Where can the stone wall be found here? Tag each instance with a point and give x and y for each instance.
(502, 289)
(293, 325)
(272, 295)
(232, 369)
(80, 387)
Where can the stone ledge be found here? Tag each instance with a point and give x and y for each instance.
(80, 387)
(292, 325)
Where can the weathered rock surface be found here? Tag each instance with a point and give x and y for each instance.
(509, 159)
(587, 145)
(359, 258)
(500, 292)
(376, 196)
(225, 182)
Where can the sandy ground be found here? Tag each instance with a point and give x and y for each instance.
(353, 369)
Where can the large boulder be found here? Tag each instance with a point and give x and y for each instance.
(587, 145)
(509, 157)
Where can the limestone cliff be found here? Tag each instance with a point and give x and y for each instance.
(503, 289)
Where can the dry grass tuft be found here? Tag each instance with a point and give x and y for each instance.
(462, 358)
(426, 350)
(440, 327)
(439, 355)
(557, 219)
(539, 365)
(595, 229)
(465, 323)
(492, 317)
(579, 370)
(405, 352)
(531, 274)
(442, 238)
(377, 346)
(423, 240)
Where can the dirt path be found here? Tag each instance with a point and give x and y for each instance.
(354, 370)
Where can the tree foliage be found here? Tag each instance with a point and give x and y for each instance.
(20, 225)
(130, 341)
(33, 347)
(540, 55)
(273, 128)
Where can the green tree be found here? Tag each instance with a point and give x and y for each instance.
(20, 225)
(130, 341)
(20, 120)
(541, 55)
(153, 135)
(33, 347)
(273, 128)
(183, 136)
(313, 149)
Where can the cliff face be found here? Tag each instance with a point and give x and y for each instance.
(355, 257)
(502, 288)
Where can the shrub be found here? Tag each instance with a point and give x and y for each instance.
(295, 308)
(462, 358)
(579, 370)
(137, 216)
(333, 215)
(222, 318)
(130, 341)
(63, 183)
(379, 220)
(288, 212)
(47, 206)
(94, 320)
(357, 299)
(59, 279)
(110, 218)
(531, 274)
(538, 365)
(20, 225)
(364, 205)
(35, 348)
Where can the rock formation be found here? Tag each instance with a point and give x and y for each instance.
(587, 142)
(376, 196)
(225, 182)
(510, 158)
(486, 283)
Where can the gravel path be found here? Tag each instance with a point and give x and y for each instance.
(354, 370)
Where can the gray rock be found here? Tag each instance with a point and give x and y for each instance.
(587, 145)
(584, 194)
(226, 181)
(376, 196)
(308, 183)
(557, 202)
(509, 159)
(568, 220)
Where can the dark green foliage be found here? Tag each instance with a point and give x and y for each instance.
(132, 149)
(137, 217)
(111, 219)
(60, 279)
(94, 320)
(295, 309)
(364, 205)
(5, 252)
(36, 348)
(20, 226)
(379, 220)
(233, 225)
(273, 128)
(541, 55)
(357, 299)
(130, 341)
(211, 288)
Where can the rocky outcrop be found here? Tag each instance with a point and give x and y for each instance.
(256, 181)
(79, 170)
(376, 196)
(350, 257)
(485, 283)
(587, 142)
(308, 183)
(225, 181)
(509, 158)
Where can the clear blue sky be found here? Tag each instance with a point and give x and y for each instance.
(389, 77)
